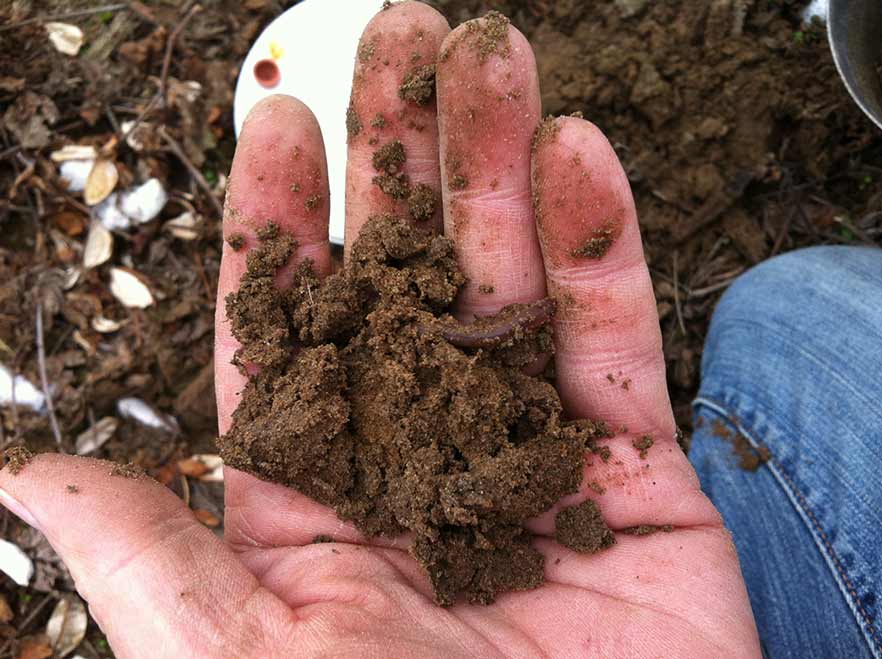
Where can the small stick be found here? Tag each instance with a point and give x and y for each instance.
(141, 116)
(170, 46)
(677, 296)
(71, 14)
(41, 361)
(195, 173)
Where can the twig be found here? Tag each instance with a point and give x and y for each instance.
(11, 151)
(677, 296)
(195, 173)
(71, 14)
(41, 362)
(141, 116)
(170, 46)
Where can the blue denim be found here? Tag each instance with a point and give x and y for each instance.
(793, 363)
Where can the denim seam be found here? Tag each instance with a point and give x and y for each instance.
(801, 504)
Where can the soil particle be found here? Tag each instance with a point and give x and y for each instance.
(366, 52)
(127, 470)
(390, 157)
(597, 487)
(749, 458)
(643, 444)
(363, 404)
(236, 241)
(353, 122)
(396, 186)
(599, 243)
(17, 458)
(321, 538)
(419, 85)
(422, 202)
(312, 202)
(582, 529)
(486, 289)
(73, 489)
(379, 121)
(547, 131)
(647, 529)
(459, 182)
(295, 188)
(490, 36)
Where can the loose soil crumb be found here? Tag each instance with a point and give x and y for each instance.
(379, 121)
(390, 157)
(647, 529)
(236, 241)
(17, 458)
(598, 244)
(322, 538)
(128, 470)
(353, 123)
(389, 160)
(486, 289)
(643, 444)
(597, 487)
(419, 85)
(582, 529)
(547, 130)
(295, 188)
(491, 36)
(422, 202)
(312, 202)
(749, 459)
(459, 182)
(372, 399)
(73, 489)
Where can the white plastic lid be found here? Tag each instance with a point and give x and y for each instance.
(313, 45)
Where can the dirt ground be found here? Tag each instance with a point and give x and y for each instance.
(738, 137)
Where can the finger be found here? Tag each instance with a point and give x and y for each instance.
(488, 96)
(279, 175)
(393, 100)
(608, 342)
(153, 576)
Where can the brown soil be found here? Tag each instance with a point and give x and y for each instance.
(749, 458)
(647, 529)
(582, 529)
(16, 459)
(419, 85)
(127, 470)
(373, 400)
(643, 444)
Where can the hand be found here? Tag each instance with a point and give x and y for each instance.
(162, 585)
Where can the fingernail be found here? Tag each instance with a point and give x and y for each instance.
(18, 509)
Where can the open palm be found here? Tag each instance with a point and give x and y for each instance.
(557, 219)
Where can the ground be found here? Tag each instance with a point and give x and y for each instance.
(737, 134)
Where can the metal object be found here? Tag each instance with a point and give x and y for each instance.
(854, 28)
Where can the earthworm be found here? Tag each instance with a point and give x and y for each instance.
(493, 330)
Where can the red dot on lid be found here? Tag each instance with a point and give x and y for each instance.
(267, 73)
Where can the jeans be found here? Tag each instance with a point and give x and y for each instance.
(792, 370)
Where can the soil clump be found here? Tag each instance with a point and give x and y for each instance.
(372, 399)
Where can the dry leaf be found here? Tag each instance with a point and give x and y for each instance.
(192, 467)
(183, 226)
(67, 625)
(215, 466)
(5, 610)
(66, 38)
(105, 325)
(99, 246)
(94, 438)
(74, 152)
(73, 224)
(15, 563)
(137, 410)
(101, 182)
(34, 647)
(206, 517)
(128, 288)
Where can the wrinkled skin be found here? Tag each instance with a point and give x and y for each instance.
(162, 585)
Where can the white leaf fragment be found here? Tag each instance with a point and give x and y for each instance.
(137, 205)
(143, 413)
(95, 437)
(128, 288)
(15, 563)
(26, 394)
(74, 152)
(74, 173)
(99, 246)
(104, 325)
(66, 628)
(67, 38)
(183, 226)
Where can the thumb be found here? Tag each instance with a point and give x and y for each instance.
(158, 582)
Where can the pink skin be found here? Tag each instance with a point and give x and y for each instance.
(160, 584)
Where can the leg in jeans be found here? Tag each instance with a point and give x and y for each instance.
(793, 363)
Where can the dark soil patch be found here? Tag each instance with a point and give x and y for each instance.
(582, 529)
(647, 529)
(373, 400)
(643, 444)
(127, 470)
(419, 85)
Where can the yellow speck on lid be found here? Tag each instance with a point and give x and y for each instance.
(276, 51)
